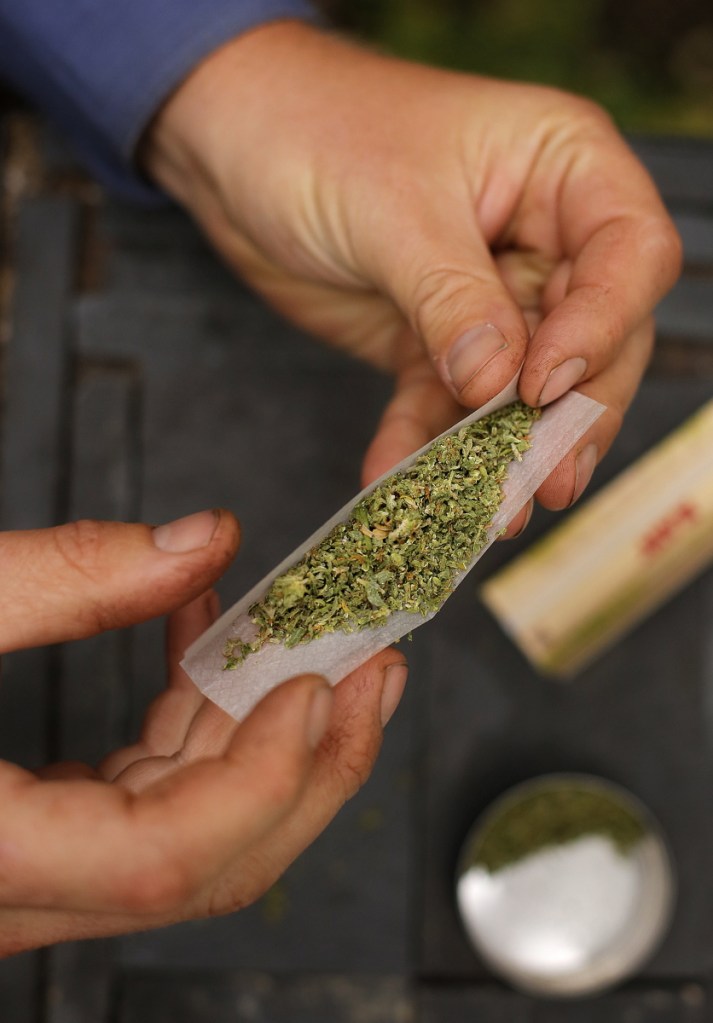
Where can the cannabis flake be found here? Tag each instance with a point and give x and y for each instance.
(554, 818)
(404, 544)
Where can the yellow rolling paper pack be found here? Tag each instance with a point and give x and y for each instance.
(614, 560)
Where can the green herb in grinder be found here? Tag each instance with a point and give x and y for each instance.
(551, 819)
(404, 544)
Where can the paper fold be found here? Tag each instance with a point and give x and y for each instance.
(335, 655)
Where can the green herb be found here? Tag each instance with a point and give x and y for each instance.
(553, 818)
(404, 544)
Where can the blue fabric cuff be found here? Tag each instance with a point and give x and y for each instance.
(102, 68)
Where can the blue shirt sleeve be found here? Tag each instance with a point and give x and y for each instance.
(102, 68)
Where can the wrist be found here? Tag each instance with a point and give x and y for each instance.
(215, 114)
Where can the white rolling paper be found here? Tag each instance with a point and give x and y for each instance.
(337, 654)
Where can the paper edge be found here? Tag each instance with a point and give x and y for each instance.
(504, 397)
(218, 688)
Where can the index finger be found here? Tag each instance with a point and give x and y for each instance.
(623, 254)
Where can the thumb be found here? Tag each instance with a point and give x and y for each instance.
(85, 577)
(452, 294)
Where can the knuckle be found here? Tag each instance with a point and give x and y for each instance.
(581, 114)
(80, 545)
(230, 895)
(158, 889)
(664, 247)
(440, 294)
(591, 114)
(355, 770)
(599, 299)
(576, 130)
(575, 116)
(280, 787)
(353, 760)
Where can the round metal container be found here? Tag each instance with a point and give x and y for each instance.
(565, 885)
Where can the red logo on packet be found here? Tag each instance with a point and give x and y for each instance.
(667, 529)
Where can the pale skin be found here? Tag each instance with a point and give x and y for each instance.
(450, 229)
(401, 212)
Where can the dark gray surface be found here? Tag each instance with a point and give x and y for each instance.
(32, 466)
(697, 237)
(79, 983)
(185, 393)
(261, 998)
(92, 718)
(34, 445)
(683, 1004)
(234, 409)
(682, 169)
(91, 680)
(37, 364)
(687, 313)
(636, 716)
(22, 989)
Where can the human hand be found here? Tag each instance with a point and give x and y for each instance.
(446, 227)
(202, 814)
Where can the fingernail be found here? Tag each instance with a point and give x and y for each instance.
(187, 534)
(562, 377)
(318, 716)
(472, 352)
(583, 469)
(528, 516)
(394, 684)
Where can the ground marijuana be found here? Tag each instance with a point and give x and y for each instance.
(404, 544)
(555, 818)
